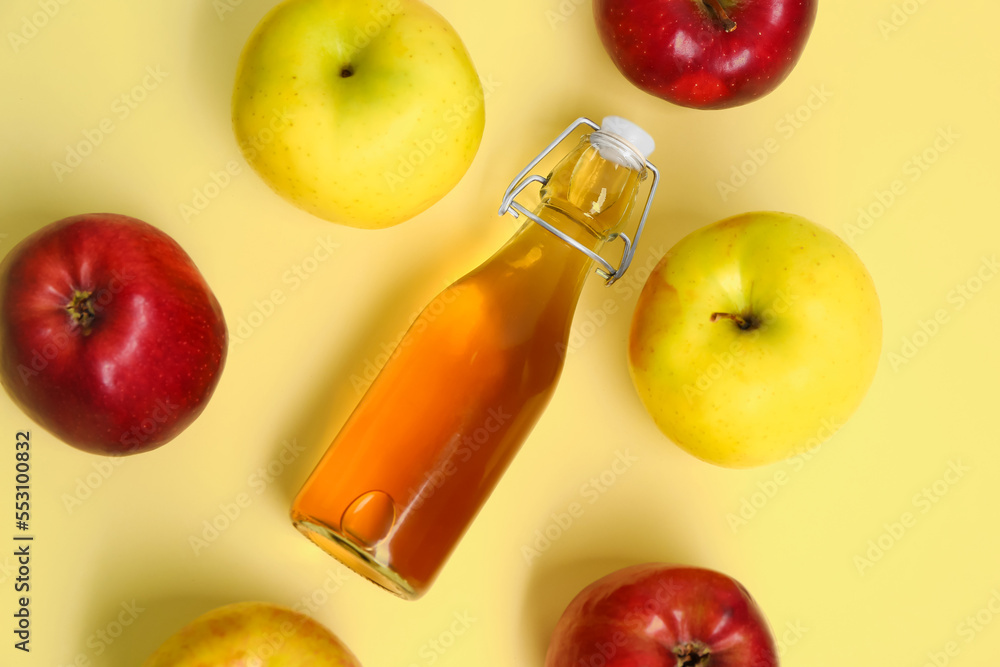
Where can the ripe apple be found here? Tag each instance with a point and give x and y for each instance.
(705, 54)
(257, 634)
(110, 338)
(362, 112)
(658, 615)
(755, 338)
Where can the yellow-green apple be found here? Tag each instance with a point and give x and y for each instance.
(110, 338)
(705, 54)
(755, 338)
(253, 634)
(362, 112)
(660, 615)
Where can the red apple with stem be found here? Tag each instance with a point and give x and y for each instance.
(659, 615)
(705, 54)
(110, 338)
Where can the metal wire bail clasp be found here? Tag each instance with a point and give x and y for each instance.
(523, 180)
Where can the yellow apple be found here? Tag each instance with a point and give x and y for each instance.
(362, 112)
(755, 338)
(252, 633)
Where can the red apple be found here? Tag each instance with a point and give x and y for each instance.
(109, 336)
(658, 615)
(705, 54)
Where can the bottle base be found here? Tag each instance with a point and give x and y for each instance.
(357, 559)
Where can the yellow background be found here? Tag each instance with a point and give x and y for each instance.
(888, 95)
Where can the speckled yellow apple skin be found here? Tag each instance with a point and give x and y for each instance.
(363, 112)
(252, 633)
(741, 397)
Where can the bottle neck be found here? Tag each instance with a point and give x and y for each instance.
(586, 197)
(593, 193)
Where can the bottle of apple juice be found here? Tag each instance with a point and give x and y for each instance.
(428, 442)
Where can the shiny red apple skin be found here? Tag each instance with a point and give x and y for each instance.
(659, 615)
(156, 344)
(679, 50)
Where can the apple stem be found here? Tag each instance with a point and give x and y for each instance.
(81, 311)
(692, 654)
(742, 322)
(716, 8)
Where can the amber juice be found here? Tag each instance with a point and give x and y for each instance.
(430, 439)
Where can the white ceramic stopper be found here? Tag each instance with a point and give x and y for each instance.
(630, 132)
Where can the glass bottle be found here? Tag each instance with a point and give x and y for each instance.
(428, 442)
